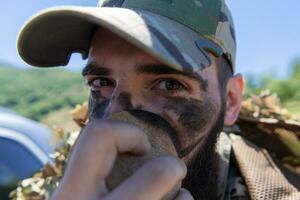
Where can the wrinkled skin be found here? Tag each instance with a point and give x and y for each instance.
(121, 76)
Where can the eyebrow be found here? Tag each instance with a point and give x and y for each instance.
(93, 69)
(164, 69)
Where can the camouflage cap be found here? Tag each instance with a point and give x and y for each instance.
(179, 33)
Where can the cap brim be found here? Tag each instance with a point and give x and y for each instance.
(49, 38)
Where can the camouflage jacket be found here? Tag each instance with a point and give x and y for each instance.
(240, 177)
(248, 172)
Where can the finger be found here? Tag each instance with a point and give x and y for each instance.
(125, 136)
(184, 195)
(154, 180)
(93, 157)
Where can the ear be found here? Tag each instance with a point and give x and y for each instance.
(235, 87)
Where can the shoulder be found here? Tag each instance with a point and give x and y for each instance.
(258, 171)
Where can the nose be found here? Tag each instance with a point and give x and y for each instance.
(119, 102)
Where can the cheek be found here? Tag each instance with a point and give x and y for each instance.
(124, 100)
(196, 116)
(188, 115)
(150, 102)
(191, 116)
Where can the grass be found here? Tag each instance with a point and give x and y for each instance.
(293, 107)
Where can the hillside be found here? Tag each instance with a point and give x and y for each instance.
(41, 94)
(288, 89)
(37, 92)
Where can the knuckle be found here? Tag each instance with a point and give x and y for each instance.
(99, 128)
(167, 167)
(185, 191)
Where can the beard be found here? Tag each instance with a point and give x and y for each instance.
(201, 179)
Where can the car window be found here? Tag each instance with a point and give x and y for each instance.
(16, 161)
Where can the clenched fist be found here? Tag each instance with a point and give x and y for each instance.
(114, 160)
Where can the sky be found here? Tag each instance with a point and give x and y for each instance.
(267, 33)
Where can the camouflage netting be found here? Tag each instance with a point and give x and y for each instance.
(261, 121)
(266, 124)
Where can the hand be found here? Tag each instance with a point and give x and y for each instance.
(93, 157)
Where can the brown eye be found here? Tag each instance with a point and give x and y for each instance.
(169, 84)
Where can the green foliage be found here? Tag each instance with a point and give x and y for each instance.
(36, 92)
(288, 89)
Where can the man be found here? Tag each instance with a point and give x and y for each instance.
(172, 58)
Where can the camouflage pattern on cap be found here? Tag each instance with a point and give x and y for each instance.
(209, 18)
(178, 33)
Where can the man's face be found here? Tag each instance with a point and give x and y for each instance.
(121, 76)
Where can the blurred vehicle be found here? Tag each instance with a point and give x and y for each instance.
(25, 146)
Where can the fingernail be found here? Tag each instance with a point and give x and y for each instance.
(183, 166)
(148, 146)
(179, 164)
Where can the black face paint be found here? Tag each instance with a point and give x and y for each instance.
(204, 85)
(97, 105)
(201, 178)
(194, 115)
(139, 107)
(124, 100)
(159, 122)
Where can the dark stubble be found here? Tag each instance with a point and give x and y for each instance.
(195, 116)
(197, 119)
(201, 179)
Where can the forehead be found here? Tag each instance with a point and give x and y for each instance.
(107, 46)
